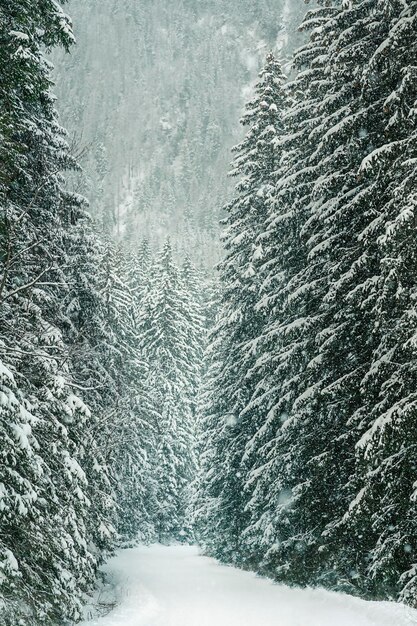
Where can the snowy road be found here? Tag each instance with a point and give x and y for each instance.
(174, 586)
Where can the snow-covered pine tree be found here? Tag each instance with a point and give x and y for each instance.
(383, 509)
(45, 539)
(91, 340)
(20, 479)
(195, 320)
(140, 271)
(202, 503)
(317, 345)
(198, 287)
(276, 345)
(167, 341)
(346, 313)
(308, 460)
(125, 434)
(216, 500)
(230, 424)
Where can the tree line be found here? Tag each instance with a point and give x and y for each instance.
(100, 354)
(309, 412)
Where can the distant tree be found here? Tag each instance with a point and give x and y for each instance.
(169, 344)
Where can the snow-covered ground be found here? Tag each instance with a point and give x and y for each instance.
(174, 586)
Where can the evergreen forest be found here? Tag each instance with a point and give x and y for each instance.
(198, 353)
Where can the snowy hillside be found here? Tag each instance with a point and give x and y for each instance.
(155, 89)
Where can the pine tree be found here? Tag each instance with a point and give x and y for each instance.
(46, 545)
(88, 333)
(197, 334)
(21, 479)
(167, 344)
(382, 511)
(314, 345)
(340, 315)
(231, 426)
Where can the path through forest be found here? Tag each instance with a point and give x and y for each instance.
(175, 586)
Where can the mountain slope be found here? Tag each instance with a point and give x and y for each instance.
(154, 91)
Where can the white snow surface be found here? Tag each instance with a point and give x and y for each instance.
(175, 586)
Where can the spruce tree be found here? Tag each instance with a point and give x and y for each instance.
(167, 341)
(47, 539)
(329, 519)
(382, 511)
(315, 344)
(90, 339)
(229, 421)
(129, 433)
